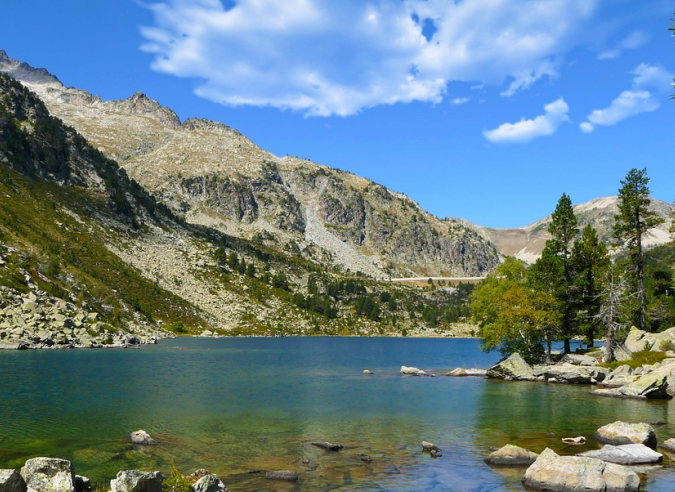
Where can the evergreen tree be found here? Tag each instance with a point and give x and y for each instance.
(553, 272)
(590, 261)
(630, 225)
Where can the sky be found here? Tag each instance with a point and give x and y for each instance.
(485, 110)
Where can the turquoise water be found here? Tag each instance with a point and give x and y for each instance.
(238, 406)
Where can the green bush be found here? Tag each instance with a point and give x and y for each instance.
(639, 359)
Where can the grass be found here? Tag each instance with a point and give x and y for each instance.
(639, 359)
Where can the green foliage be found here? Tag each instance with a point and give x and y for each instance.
(176, 482)
(630, 225)
(638, 359)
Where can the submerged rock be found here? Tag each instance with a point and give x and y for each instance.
(137, 481)
(510, 455)
(11, 481)
(49, 475)
(625, 454)
(514, 368)
(283, 475)
(577, 473)
(647, 387)
(627, 433)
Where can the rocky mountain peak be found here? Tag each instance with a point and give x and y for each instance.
(142, 105)
(24, 72)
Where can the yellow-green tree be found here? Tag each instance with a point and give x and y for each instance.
(513, 317)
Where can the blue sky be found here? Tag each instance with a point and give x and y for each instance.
(487, 110)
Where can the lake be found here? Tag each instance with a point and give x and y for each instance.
(240, 405)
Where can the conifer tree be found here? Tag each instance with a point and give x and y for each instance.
(630, 225)
(553, 271)
(590, 261)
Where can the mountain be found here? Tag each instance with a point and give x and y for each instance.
(214, 176)
(90, 258)
(527, 243)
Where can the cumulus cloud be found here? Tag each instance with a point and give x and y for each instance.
(555, 114)
(650, 83)
(336, 58)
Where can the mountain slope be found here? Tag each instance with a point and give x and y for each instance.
(214, 176)
(527, 243)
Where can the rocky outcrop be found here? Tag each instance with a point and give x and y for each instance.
(577, 474)
(510, 455)
(49, 475)
(11, 480)
(512, 369)
(638, 340)
(619, 432)
(137, 481)
(648, 387)
(579, 360)
(625, 454)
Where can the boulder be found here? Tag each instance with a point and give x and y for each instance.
(648, 387)
(209, 483)
(142, 437)
(514, 368)
(11, 481)
(510, 455)
(579, 360)
(572, 374)
(625, 454)
(627, 433)
(638, 340)
(668, 445)
(622, 353)
(137, 481)
(49, 475)
(284, 475)
(577, 473)
(461, 372)
(413, 371)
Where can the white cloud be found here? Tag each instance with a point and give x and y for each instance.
(324, 58)
(634, 40)
(459, 101)
(650, 83)
(555, 114)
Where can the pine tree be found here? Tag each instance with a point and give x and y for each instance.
(630, 225)
(553, 271)
(590, 261)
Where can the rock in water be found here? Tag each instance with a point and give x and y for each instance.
(142, 437)
(514, 368)
(625, 454)
(284, 475)
(510, 455)
(627, 433)
(209, 483)
(49, 475)
(428, 446)
(576, 474)
(11, 481)
(137, 481)
(668, 445)
(328, 446)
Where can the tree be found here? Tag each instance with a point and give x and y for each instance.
(590, 261)
(630, 225)
(611, 312)
(552, 272)
(512, 316)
